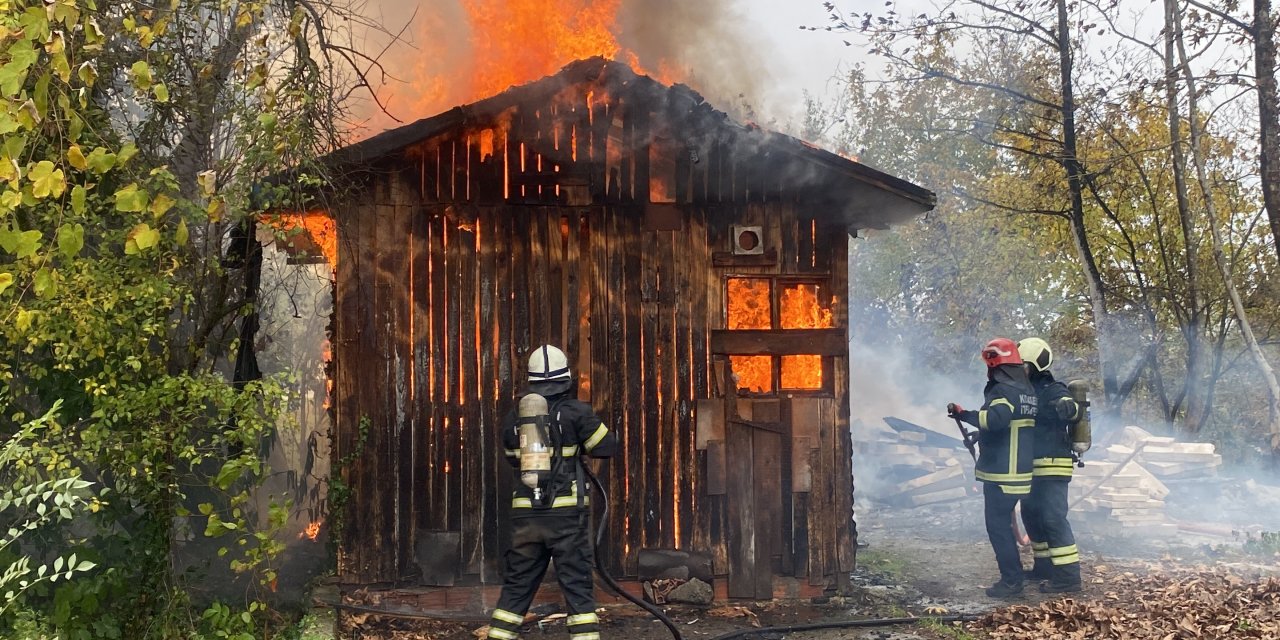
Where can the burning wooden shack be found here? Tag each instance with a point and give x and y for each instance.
(693, 268)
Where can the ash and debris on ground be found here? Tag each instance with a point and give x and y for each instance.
(935, 560)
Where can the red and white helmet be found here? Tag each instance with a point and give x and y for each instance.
(1000, 351)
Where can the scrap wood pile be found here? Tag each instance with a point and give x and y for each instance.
(1162, 607)
(1124, 484)
(917, 465)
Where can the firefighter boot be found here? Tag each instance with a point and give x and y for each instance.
(1065, 578)
(1004, 589)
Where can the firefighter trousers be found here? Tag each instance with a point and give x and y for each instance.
(998, 513)
(1052, 542)
(535, 542)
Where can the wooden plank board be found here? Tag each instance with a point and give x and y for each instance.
(740, 536)
(420, 449)
(454, 384)
(399, 244)
(472, 445)
(767, 474)
(346, 327)
(826, 342)
(630, 243)
(652, 478)
(436, 517)
(491, 239)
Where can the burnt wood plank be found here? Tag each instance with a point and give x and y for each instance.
(652, 415)
(633, 384)
(717, 479)
(575, 313)
(436, 516)
(472, 445)
(540, 300)
(669, 441)
(727, 259)
(558, 304)
(490, 242)
(346, 410)
(642, 139)
(455, 266)
(420, 448)
(399, 242)
(821, 522)
(741, 538)
(510, 377)
(600, 120)
(767, 474)
(385, 426)
(800, 533)
(826, 342)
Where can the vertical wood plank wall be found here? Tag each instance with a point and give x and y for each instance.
(445, 284)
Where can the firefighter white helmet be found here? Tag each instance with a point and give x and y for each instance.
(549, 371)
(1036, 352)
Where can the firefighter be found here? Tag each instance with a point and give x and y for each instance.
(1005, 425)
(549, 510)
(1057, 561)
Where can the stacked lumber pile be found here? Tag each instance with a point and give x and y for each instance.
(1126, 488)
(918, 465)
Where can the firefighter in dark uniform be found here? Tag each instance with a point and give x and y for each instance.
(1005, 423)
(1057, 561)
(551, 522)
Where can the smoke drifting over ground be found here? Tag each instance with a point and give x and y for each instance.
(454, 52)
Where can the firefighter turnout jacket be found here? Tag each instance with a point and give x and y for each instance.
(1057, 410)
(576, 430)
(1006, 425)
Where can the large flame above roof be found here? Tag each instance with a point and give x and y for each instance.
(491, 45)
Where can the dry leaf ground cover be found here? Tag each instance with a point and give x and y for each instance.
(1160, 606)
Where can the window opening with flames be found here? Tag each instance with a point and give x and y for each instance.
(799, 305)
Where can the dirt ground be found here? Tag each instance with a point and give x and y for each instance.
(912, 562)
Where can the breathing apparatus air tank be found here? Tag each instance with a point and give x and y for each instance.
(535, 445)
(1081, 430)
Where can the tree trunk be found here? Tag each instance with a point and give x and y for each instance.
(1075, 182)
(1264, 46)
(1191, 329)
(1215, 234)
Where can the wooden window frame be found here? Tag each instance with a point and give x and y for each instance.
(776, 284)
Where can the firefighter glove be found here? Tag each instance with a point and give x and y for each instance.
(954, 410)
(1079, 447)
(971, 438)
(1066, 408)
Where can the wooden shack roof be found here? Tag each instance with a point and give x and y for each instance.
(862, 196)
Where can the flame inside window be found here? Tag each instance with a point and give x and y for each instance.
(750, 306)
(801, 308)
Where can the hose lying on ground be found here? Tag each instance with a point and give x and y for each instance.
(742, 633)
(608, 579)
(840, 624)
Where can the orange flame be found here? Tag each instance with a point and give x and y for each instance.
(319, 233)
(502, 43)
(799, 308)
(750, 306)
(312, 531)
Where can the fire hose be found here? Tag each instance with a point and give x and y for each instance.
(741, 633)
(608, 579)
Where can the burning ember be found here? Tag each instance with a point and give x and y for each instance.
(312, 531)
